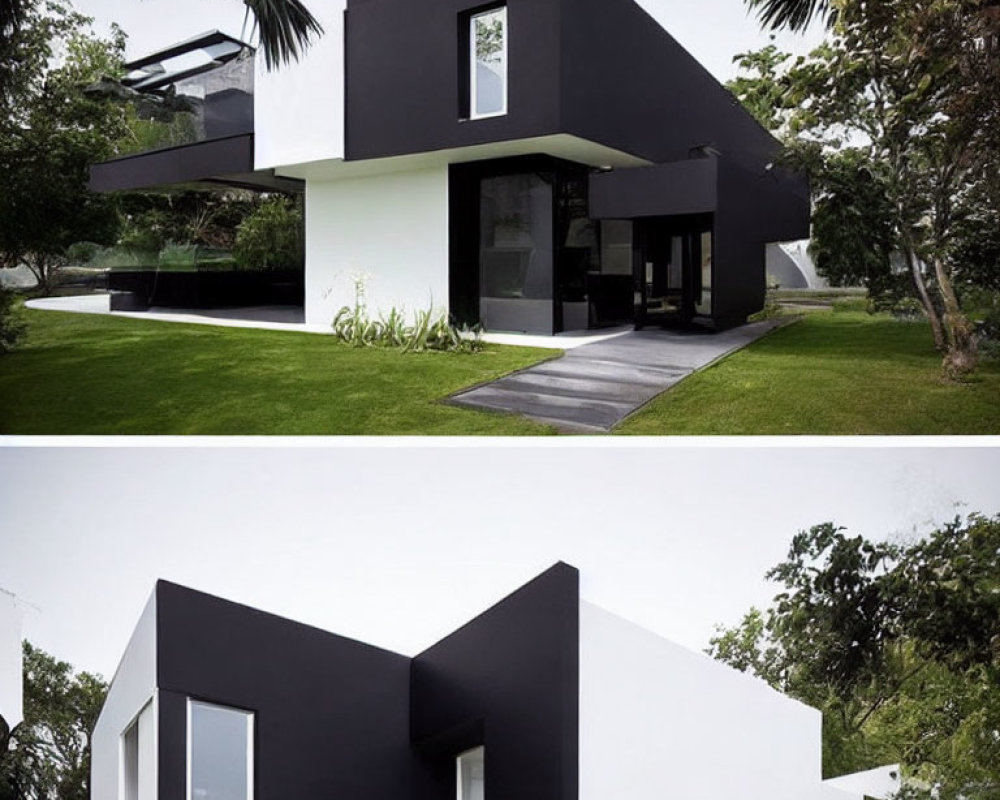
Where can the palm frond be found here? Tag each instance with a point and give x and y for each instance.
(285, 28)
(795, 15)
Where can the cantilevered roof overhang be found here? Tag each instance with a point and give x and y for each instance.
(677, 187)
(226, 161)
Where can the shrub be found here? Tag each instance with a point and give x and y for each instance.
(12, 327)
(428, 331)
(988, 334)
(271, 236)
(82, 253)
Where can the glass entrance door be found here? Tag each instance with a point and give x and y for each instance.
(673, 271)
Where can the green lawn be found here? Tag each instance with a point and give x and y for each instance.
(89, 374)
(831, 373)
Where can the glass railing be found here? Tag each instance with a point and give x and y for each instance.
(193, 92)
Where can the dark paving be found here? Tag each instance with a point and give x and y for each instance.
(593, 387)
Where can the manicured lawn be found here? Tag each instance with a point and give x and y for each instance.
(87, 374)
(831, 373)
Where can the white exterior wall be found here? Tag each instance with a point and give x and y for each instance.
(299, 108)
(657, 720)
(390, 228)
(132, 691)
(11, 668)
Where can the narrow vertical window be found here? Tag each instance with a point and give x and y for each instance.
(137, 755)
(130, 762)
(472, 774)
(220, 752)
(488, 63)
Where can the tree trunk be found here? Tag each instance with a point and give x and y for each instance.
(925, 299)
(960, 356)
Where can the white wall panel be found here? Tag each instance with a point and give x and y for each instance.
(132, 687)
(11, 678)
(299, 108)
(392, 229)
(147, 752)
(657, 720)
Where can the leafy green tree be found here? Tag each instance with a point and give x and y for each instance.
(47, 756)
(271, 236)
(897, 120)
(50, 134)
(898, 645)
(761, 90)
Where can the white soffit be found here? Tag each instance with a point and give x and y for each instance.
(11, 680)
(560, 145)
(880, 783)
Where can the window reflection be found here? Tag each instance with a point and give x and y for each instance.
(488, 79)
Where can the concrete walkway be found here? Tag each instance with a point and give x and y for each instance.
(594, 387)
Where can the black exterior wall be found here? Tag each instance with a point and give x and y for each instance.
(628, 84)
(337, 718)
(509, 680)
(331, 714)
(404, 70)
(754, 207)
(603, 70)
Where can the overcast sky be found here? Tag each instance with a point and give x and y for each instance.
(399, 544)
(711, 30)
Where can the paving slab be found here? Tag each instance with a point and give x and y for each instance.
(592, 388)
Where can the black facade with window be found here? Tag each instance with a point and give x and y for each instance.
(252, 706)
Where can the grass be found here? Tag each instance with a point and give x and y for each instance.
(90, 374)
(834, 372)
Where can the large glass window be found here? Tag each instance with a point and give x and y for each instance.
(515, 256)
(472, 774)
(220, 752)
(488, 63)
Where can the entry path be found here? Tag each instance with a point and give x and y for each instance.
(593, 387)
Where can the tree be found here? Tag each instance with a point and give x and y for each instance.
(898, 645)
(50, 134)
(47, 756)
(907, 94)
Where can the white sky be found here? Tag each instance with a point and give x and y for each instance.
(398, 544)
(711, 30)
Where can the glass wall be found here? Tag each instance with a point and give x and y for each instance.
(578, 252)
(220, 752)
(515, 253)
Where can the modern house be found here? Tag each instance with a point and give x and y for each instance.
(530, 165)
(541, 697)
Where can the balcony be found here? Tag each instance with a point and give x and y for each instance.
(191, 119)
